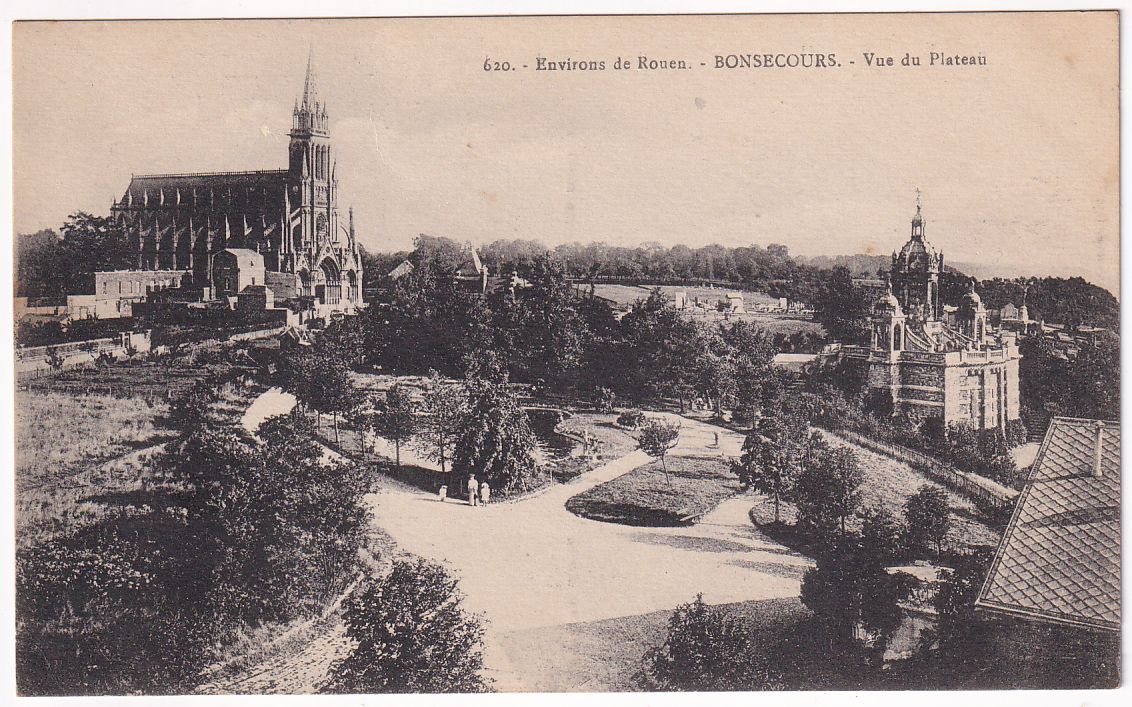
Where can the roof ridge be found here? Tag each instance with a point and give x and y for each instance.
(208, 174)
(1091, 420)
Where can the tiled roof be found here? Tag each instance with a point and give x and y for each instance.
(1059, 560)
(188, 189)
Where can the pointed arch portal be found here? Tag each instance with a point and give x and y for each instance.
(330, 292)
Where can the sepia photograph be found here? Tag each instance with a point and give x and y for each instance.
(566, 354)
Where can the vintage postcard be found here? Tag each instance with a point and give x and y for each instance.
(567, 354)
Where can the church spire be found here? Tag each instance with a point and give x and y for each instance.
(309, 91)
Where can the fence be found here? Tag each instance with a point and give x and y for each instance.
(36, 358)
(981, 490)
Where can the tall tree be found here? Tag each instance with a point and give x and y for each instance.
(444, 412)
(928, 518)
(842, 308)
(772, 457)
(397, 417)
(828, 490)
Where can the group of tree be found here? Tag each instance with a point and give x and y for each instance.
(53, 265)
(475, 426)
(1070, 301)
(837, 398)
(551, 334)
(783, 459)
(771, 269)
(1085, 385)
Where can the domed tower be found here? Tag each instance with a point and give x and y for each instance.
(973, 315)
(915, 274)
(888, 323)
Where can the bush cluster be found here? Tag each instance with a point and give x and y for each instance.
(983, 452)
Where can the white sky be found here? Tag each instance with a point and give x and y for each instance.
(1018, 160)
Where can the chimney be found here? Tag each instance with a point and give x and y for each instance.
(1098, 447)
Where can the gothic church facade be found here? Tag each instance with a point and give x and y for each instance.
(290, 217)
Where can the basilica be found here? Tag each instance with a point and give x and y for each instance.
(283, 223)
(936, 359)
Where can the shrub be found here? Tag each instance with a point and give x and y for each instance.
(631, 419)
(412, 635)
(604, 400)
(706, 650)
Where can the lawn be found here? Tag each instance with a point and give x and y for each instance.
(608, 655)
(642, 496)
(58, 434)
(608, 442)
(77, 455)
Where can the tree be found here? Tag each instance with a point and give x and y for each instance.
(705, 650)
(63, 266)
(842, 307)
(849, 588)
(412, 634)
(928, 518)
(189, 410)
(558, 333)
(828, 490)
(881, 535)
(656, 439)
(495, 440)
(604, 399)
(292, 522)
(396, 418)
(443, 413)
(963, 636)
(772, 457)
(321, 380)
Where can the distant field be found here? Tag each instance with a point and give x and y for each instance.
(708, 294)
(624, 295)
(628, 294)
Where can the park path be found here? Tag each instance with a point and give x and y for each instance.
(531, 563)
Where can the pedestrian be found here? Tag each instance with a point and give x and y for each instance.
(485, 493)
(717, 439)
(473, 487)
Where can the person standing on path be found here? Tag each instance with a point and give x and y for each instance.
(473, 487)
(485, 493)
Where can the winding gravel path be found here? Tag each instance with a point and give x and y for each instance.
(532, 563)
